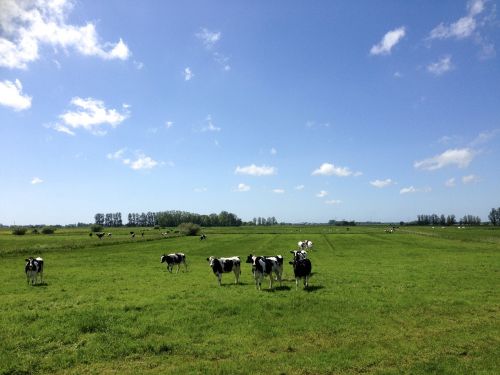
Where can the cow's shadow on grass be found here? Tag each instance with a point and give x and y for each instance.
(276, 289)
(313, 288)
(234, 285)
(40, 285)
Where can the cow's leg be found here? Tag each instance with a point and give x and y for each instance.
(271, 281)
(178, 267)
(219, 278)
(296, 283)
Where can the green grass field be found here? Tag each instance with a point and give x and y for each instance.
(417, 301)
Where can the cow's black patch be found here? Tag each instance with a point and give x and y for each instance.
(227, 265)
(216, 266)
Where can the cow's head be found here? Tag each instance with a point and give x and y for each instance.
(250, 259)
(163, 258)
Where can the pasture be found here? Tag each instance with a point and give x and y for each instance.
(416, 301)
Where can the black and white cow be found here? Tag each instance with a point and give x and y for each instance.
(305, 244)
(302, 254)
(100, 235)
(33, 269)
(223, 265)
(203, 237)
(263, 266)
(174, 259)
(302, 269)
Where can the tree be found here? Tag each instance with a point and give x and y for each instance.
(494, 216)
(99, 219)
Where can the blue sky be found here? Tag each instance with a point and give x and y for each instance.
(306, 111)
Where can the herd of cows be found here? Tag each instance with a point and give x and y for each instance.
(262, 266)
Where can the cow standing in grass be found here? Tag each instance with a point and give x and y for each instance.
(223, 265)
(33, 269)
(301, 269)
(263, 266)
(174, 259)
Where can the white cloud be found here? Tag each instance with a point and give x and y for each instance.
(169, 124)
(141, 161)
(188, 74)
(254, 170)
(412, 189)
(381, 183)
(60, 128)
(459, 157)
(450, 182)
(222, 60)
(470, 179)
(91, 115)
(27, 25)
(485, 137)
(439, 67)
(327, 169)
(389, 40)
(209, 38)
(279, 191)
(36, 180)
(11, 95)
(273, 151)
(333, 201)
(462, 28)
(242, 188)
(322, 194)
(210, 127)
(470, 26)
(299, 187)
(200, 190)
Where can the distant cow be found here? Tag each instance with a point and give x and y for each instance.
(33, 269)
(265, 266)
(223, 265)
(302, 269)
(109, 234)
(203, 237)
(305, 244)
(174, 259)
(100, 235)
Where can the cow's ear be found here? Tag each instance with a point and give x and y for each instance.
(207, 259)
(291, 251)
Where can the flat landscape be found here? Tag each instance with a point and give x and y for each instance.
(417, 301)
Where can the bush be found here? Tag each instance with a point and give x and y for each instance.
(189, 229)
(35, 231)
(48, 230)
(19, 231)
(96, 228)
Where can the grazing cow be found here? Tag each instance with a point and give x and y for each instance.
(265, 266)
(132, 235)
(203, 237)
(109, 234)
(165, 234)
(305, 244)
(174, 259)
(223, 265)
(100, 235)
(302, 270)
(33, 268)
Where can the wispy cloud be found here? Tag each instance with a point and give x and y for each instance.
(469, 26)
(412, 189)
(188, 74)
(28, 25)
(459, 157)
(210, 127)
(139, 162)
(440, 67)
(470, 179)
(254, 170)
(169, 124)
(209, 38)
(327, 169)
(242, 188)
(322, 194)
(382, 183)
(450, 182)
(11, 95)
(92, 115)
(333, 201)
(389, 40)
(299, 187)
(279, 191)
(273, 151)
(485, 137)
(36, 181)
(200, 190)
